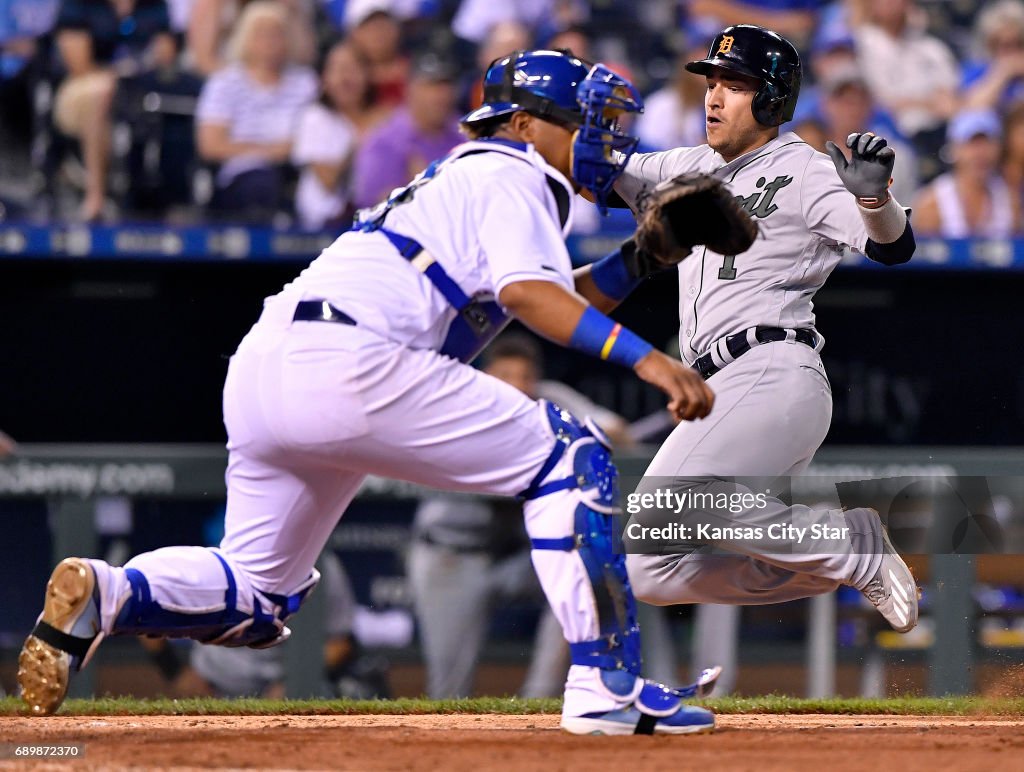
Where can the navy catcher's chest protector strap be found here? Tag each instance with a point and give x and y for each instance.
(478, 320)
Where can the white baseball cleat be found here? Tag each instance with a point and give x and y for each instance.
(687, 719)
(892, 590)
(66, 635)
(655, 709)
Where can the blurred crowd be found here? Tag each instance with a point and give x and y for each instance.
(302, 111)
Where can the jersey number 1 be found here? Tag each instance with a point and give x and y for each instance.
(728, 269)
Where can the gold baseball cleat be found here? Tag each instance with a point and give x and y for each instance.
(64, 637)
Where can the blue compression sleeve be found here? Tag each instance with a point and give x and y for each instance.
(599, 336)
(611, 276)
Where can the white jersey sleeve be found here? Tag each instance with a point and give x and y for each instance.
(829, 209)
(519, 229)
(645, 170)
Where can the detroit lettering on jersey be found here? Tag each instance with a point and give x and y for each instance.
(805, 215)
(761, 202)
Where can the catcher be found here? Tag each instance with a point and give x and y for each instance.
(360, 366)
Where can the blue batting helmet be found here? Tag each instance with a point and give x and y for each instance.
(558, 87)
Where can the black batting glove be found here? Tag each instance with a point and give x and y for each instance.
(868, 173)
(639, 262)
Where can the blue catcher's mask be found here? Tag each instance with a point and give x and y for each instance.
(601, 148)
(558, 87)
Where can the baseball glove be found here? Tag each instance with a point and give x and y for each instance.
(685, 211)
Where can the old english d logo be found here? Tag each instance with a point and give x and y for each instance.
(726, 45)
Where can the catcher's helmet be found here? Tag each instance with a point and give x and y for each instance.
(540, 82)
(558, 87)
(763, 54)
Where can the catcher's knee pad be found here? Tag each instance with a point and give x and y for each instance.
(581, 463)
(256, 621)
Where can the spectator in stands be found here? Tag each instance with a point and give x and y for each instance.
(248, 113)
(180, 11)
(98, 39)
(911, 74)
(329, 132)
(502, 39)
(574, 38)
(375, 32)
(846, 107)
(475, 18)
(997, 79)
(425, 129)
(832, 48)
(673, 116)
(793, 19)
(972, 200)
(211, 23)
(21, 22)
(1013, 154)
(812, 129)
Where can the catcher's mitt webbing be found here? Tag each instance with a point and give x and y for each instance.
(692, 209)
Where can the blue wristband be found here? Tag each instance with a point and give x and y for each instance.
(599, 336)
(611, 276)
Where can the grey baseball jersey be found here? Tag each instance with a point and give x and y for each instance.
(773, 405)
(805, 215)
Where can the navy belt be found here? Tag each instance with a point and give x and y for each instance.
(739, 344)
(320, 311)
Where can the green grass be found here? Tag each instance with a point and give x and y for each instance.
(126, 706)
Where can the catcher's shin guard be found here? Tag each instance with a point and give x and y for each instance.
(569, 518)
(573, 543)
(157, 605)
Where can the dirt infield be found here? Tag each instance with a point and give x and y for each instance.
(499, 742)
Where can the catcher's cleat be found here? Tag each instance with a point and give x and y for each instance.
(688, 719)
(892, 590)
(656, 709)
(66, 635)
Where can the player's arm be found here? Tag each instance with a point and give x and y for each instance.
(521, 237)
(606, 282)
(890, 238)
(564, 317)
(216, 146)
